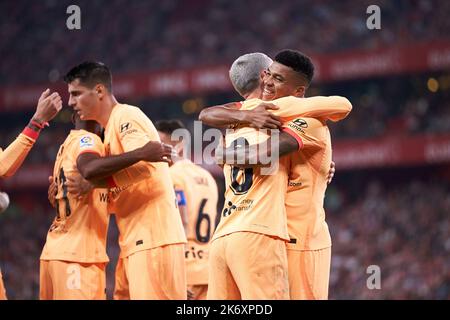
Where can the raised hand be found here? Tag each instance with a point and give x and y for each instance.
(48, 107)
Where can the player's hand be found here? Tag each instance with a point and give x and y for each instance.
(331, 172)
(261, 118)
(52, 191)
(78, 186)
(48, 107)
(155, 151)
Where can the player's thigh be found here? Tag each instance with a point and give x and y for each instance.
(78, 281)
(2, 288)
(259, 265)
(221, 284)
(158, 273)
(121, 287)
(309, 274)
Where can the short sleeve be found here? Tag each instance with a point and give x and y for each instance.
(334, 108)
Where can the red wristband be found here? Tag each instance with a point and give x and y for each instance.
(39, 125)
(30, 133)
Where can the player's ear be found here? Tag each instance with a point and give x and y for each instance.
(300, 91)
(263, 74)
(100, 90)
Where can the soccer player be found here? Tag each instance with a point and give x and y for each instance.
(197, 196)
(151, 263)
(76, 241)
(13, 156)
(254, 216)
(309, 250)
(74, 257)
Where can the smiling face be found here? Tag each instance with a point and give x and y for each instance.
(85, 101)
(282, 81)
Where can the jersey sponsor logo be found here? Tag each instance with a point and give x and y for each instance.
(104, 197)
(195, 253)
(125, 127)
(86, 141)
(244, 205)
(115, 192)
(294, 184)
(299, 125)
(227, 211)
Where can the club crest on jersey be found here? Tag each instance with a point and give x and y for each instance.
(125, 126)
(86, 141)
(299, 124)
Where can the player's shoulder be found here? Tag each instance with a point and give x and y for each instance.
(181, 168)
(250, 103)
(203, 176)
(130, 113)
(285, 99)
(81, 135)
(123, 110)
(204, 172)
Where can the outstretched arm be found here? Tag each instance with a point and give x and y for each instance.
(256, 155)
(229, 115)
(93, 167)
(103, 172)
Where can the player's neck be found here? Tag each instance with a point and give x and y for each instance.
(255, 94)
(108, 106)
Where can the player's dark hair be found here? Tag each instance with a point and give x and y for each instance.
(90, 74)
(169, 126)
(298, 62)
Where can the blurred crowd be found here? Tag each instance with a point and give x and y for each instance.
(403, 229)
(147, 35)
(391, 106)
